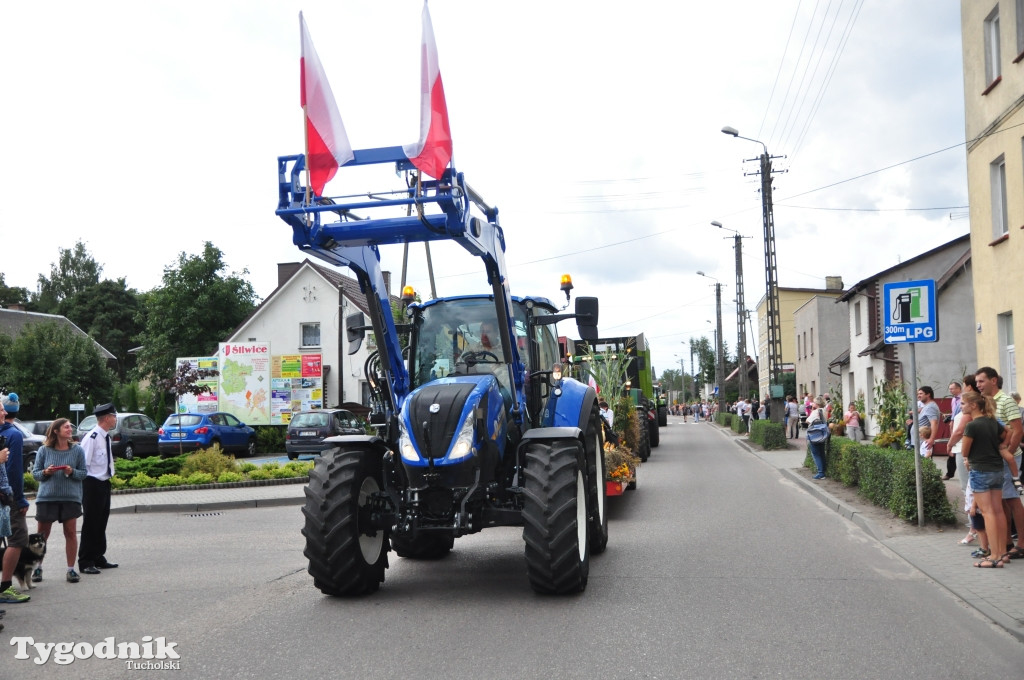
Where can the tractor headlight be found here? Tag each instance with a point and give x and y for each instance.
(463, 445)
(556, 375)
(405, 447)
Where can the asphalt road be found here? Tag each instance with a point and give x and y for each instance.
(716, 568)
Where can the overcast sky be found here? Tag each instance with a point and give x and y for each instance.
(147, 128)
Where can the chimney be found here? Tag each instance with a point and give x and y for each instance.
(286, 270)
(833, 283)
(387, 282)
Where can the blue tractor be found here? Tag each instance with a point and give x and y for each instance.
(475, 424)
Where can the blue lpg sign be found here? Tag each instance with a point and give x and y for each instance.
(910, 312)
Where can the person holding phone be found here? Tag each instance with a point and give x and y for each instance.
(60, 469)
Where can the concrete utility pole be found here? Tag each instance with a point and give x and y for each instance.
(741, 336)
(720, 355)
(774, 357)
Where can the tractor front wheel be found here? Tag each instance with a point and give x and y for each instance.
(346, 555)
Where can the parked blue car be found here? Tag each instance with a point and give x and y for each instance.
(194, 431)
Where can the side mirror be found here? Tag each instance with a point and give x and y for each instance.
(354, 324)
(586, 317)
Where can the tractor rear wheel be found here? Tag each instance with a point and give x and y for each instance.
(595, 474)
(643, 446)
(346, 557)
(555, 520)
(653, 433)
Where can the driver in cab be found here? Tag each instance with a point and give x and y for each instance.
(487, 348)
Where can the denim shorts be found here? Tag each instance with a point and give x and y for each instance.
(986, 481)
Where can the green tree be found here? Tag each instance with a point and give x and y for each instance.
(74, 271)
(195, 308)
(110, 313)
(12, 295)
(51, 366)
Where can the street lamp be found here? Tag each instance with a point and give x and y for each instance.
(771, 278)
(741, 336)
(720, 363)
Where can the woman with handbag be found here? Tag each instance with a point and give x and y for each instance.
(817, 436)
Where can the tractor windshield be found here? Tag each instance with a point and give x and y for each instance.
(460, 337)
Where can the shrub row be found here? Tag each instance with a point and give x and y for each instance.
(768, 434)
(208, 466)
(886, 477)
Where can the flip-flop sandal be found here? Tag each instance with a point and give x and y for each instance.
(989, 564)
(1016, 554)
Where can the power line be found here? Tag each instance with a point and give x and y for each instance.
(815, 207)
(781, 64)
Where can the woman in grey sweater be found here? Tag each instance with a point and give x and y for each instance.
(60, 469)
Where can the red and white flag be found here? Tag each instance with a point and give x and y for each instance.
(432, 153)
(327, 145)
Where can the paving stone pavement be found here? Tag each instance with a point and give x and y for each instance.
(996, 593)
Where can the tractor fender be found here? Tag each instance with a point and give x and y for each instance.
(553, 433)
(572, 407)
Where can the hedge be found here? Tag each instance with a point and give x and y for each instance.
(886, 477)
(768, 434)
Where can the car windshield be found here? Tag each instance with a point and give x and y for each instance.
(184, 420)
(460, 337)
(310, 420)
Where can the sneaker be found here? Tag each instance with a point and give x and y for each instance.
(981, 552)
(37, 575)
(12, 596)
(73, 576)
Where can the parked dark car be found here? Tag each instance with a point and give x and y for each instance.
(37, 426)
(194, 431)
(134, 434)
(308, 429)
(30, 444)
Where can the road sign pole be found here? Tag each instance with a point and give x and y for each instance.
(915, 439)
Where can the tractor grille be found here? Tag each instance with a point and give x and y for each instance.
(434, 431)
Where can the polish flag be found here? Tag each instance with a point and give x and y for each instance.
(434, 150)
(327, 145)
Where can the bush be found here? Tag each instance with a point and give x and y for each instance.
(170, 480)
(141, 481)
(738, 426)
(270, 438)
(260, 473)
(886, 477)
(200, 478)
(228, 477)
(247, 467)
(117, 483)
(153, 466)
(211, 461)
(31, 484)
(768, 434)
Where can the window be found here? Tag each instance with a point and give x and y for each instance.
(310, 334)
(805, 345)
(812, 342)
(1019, 14)
(1000, 219)
(856, 318)
(798, 355)
(1007, 353)
(992, 71)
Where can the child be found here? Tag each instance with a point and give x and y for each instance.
(977, 525)
(923, 435)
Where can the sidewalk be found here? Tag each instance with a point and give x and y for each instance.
(205, 500)
(936, 553)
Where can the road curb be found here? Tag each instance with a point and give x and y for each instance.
(207, 507)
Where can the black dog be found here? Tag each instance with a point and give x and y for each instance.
(29, 560)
